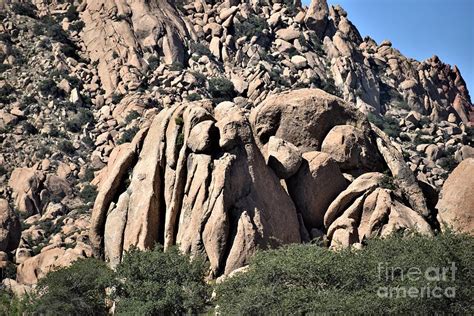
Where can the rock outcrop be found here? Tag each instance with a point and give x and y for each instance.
(48, 260)
(10, 228)
(366, 209)
(201, 123)
(219, 194)
(456, 204)
(118, 33)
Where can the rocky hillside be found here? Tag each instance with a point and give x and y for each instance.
(221, 126)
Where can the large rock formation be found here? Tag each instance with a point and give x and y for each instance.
(456, 204)
(220, 200)
(215, 195)
(278, 163)
(117, 33)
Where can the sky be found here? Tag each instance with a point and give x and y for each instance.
(419, 28)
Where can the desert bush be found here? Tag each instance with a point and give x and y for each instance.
(6, 92)
(76, 26)
(116, 98)
(253, 26)
(24, 8)
(127, 135)
(193, 97)
(131, 116)
(48, 87)
(200, 49)
(221, 89)
(386, 123)
(10, 304)
(66, 147)
(42, 152)
(153, 62)
(448, 163)
(176, 66)
(4, 67)
(88, 193)
(3, 170)
(28, 128)
(83, 117)
(200, 78)
(76, 290)
(305, 279)
(161, 283)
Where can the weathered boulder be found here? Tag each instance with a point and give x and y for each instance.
(456, 204)
(317, 183)
(48, 260)
(375, 212)
(10, 228)
(316, 17)
(401, 172)
(27, 184)
(303, 117)
(283, 157)
(351, 149)
(363, 184)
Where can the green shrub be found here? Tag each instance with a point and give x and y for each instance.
(28, 100)
(76, 290)
(176, 66)
(200, 78)
(88, 193)
(193, 97)
(27, 9)
(200, 49)
(221, 89)
(116, 98)
(83, 117)
(153, 62)
(4, 67)
(448, 163)
(302, 279)
(73, 125)
(3, 170)
(180, 140)
(127, 135)
(48, 87)
(66, 147)
(161, 283)
(386, 123)
(131, 116)
(42, 152)
(388, 182)
(72, 13)
(11, 305)
(28, 128)
(88, 175)
(87, 140)
(179, 120)
(6, 93)
(252, 26)
(291, 7)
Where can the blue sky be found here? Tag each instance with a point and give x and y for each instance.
(420, 28)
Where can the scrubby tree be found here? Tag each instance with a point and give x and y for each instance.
(161, 283)
(393, 275)
(79, 289)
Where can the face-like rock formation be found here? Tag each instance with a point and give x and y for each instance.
(202, 178)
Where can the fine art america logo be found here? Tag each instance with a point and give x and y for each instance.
(431, 288)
